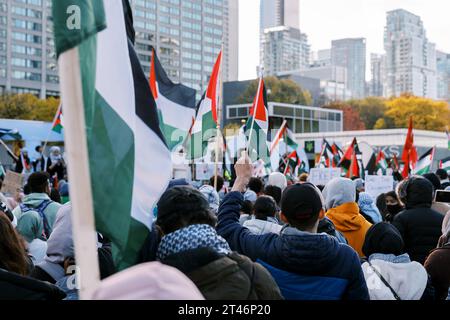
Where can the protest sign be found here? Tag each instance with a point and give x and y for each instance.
(321, 176)
(12, 182)
(376, 185)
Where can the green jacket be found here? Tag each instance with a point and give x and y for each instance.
(29, 224)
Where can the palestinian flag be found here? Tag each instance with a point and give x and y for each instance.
(57, 121)
(381, 163)
(409, 155)
(372, 164)
(425, 162)
(326, 156)
(257, 126)
(354, 169)
(129, 161)
(299, 151)
(175, 102)
(445, 164)
(293, 162)
(352, 161)
(278, 136)
(396, 164)
(347, 158)
(337, 155)
(206, 122)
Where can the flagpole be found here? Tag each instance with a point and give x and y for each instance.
(254, 110)
(219, 119)
(50, 131)
(83, 229)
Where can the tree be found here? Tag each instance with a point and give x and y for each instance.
(27, 107)
(352, 118)
(371, 109)
(427, 114)
(278, 90)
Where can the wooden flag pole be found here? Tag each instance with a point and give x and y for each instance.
(254, 112)
(219, 119)
(84, 234)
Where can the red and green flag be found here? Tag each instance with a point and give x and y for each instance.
(57, 121)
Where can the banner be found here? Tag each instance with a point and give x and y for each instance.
(321, 176)
(376, 185)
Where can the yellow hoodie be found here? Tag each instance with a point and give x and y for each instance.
(351, 224)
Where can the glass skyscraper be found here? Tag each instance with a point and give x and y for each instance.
(187, 35)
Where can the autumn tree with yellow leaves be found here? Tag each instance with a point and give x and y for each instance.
(27, 107)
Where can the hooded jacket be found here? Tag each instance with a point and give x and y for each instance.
(17, 287)
(351, 224)
(326, 226)
(225, 277)
(316, 261)
(34, 200)
(438, 267)
(419, 225)
(259, 227)
(408, 279)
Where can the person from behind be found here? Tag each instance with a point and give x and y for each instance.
(263, 220)
(419, 225)
(443, 177)
(191, 244)
(275, 192)
(390, 274)
(343, 211)
(277, 179)
(246, 211)
(256, 185)
(438, 262)
(440, 207)
(305, 265)
(15, 267)
(368, 209)
(211, 194)
(382, 206)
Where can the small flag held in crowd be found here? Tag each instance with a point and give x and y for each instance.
(409, 155)
(57, 121)
(425, 162)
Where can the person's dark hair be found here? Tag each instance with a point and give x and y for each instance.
(382, 206)
(220, 182)
(247, 207)
(415, 191)
(434, 179)
(55, 195)
(182, 206)
(26, 189)
(320, 187)
(5, 210)
(275, 192)
(256, 185)
(37, 148)
(383, 238)
(12, 248)
(264, 207)
(301, 205)
(391, 194)
(38, 182)
(442, 174)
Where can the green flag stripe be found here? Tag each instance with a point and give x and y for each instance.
(76, 20)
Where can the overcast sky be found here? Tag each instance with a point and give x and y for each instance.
(325, 20)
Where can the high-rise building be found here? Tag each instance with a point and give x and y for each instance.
(351, 54)
(187, 35)
(410, 57)
(275, 13)
(443, 75)
(27, 54)
(378, 72)
(284, 49)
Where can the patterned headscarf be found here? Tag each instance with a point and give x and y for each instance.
(192, 237)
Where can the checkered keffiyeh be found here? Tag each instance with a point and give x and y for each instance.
(192, 237)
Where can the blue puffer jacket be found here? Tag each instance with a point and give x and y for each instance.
(304, 265)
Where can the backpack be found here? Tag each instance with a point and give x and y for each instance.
(40, 210)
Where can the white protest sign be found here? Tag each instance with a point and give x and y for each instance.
(376, 185)
(321, 176)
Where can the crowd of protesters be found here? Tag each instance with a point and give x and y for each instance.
(266, 239)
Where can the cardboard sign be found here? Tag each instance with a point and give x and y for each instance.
(376, 185)
(12, 182)
(321, 176)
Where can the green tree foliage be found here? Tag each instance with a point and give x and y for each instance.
(370, 109)
(278, 90)
(27, 107)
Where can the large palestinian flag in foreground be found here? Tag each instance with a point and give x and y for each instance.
(205, 125)
(175, 102)
(424, 163)
(130, 164)
(257, 126)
